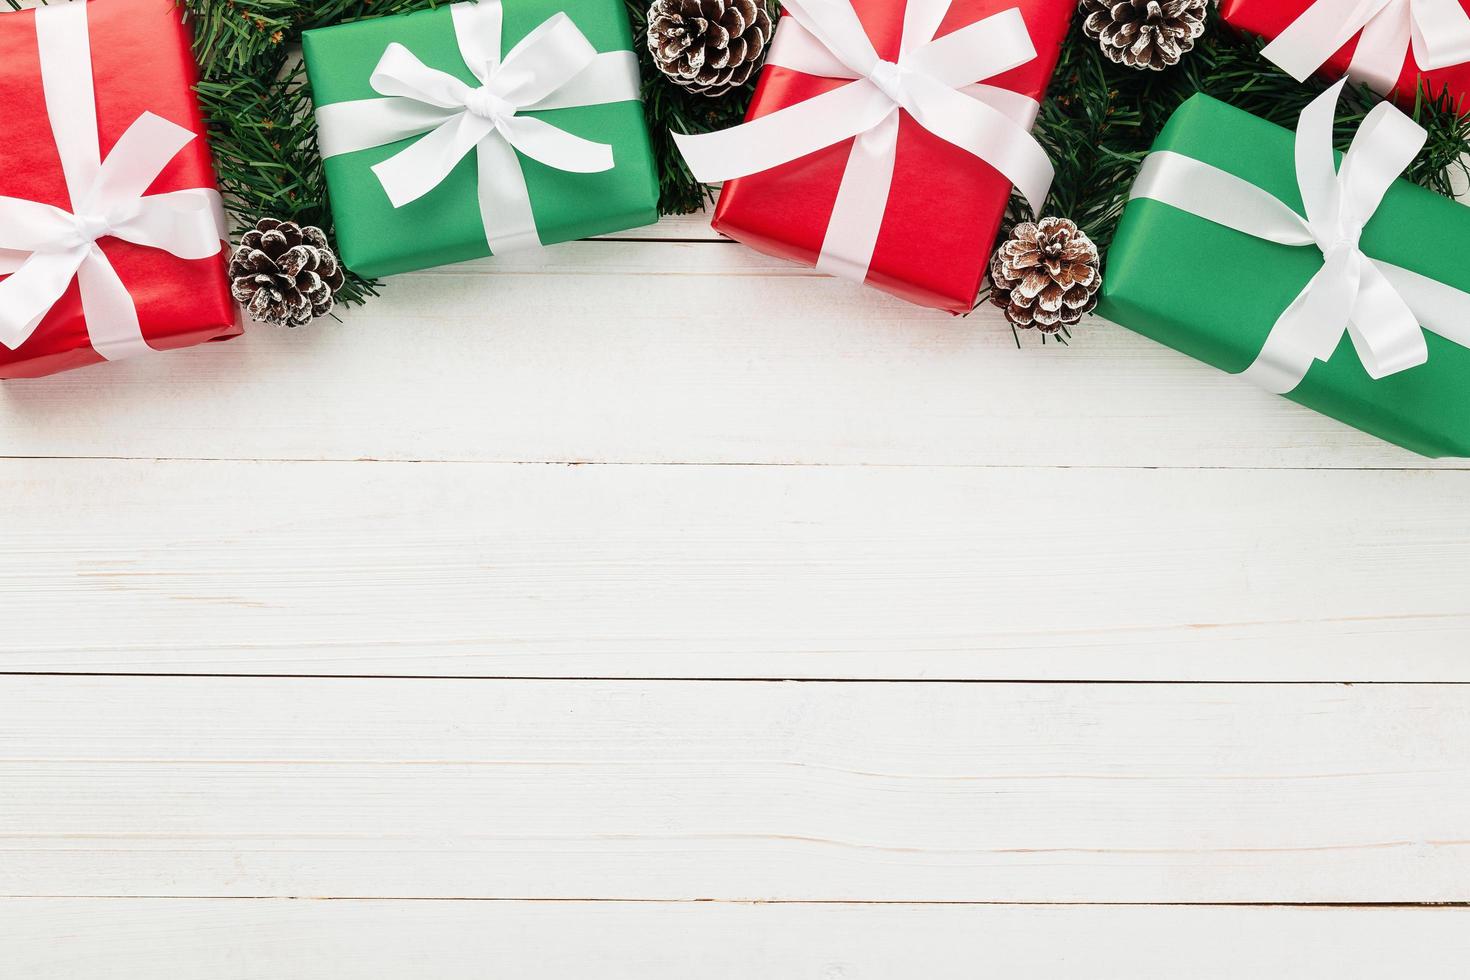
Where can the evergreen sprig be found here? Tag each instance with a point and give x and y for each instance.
(1097, 126)
(255, 98)
(1103, 118)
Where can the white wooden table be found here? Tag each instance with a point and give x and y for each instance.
(653, 609)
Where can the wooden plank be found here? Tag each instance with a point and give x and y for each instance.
(688, 790)
(672, 352)
(718, 571)
(63, 939)
(672, 228)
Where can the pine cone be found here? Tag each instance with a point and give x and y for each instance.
(708, 46)
(285, 274)
(1046, 275)
(1145, 34)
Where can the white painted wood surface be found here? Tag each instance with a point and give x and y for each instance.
(318, 660)
(681, 352)
(735, 791)
(311, 940)
(735, 571)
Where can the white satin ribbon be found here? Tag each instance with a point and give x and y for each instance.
(553, 67)
(1380, 305)
(1438, 31)
(43, 248)
(933, 81)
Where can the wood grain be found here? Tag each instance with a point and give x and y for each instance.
(686, 790)
(672, 351)
(943, 506)
(719, 571)
(66, 939)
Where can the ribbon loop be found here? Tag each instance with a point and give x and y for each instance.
(400, 73)
(933, 80)
(554, 66)
(45, 248)
(1382, 149)
(1436, 31)
(1383, 308)
(546, 59)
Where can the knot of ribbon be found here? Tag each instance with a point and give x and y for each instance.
(890, 76)
(1437, 31)
(44, 248)
(487, 105)
(553, 67)
(1383, 307)
(936, 81)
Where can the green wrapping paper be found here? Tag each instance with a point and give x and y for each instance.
(1215, 293)
(444, 226)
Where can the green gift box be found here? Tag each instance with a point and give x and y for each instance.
(1216, 293)
(453, 221)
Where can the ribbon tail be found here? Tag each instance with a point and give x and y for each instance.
(135, 161)
(1310, 329)
(1441, 34)
(505, 203)
(112, 318)
(1385, 331)
(1383, 48)
(785, 135)
(12, 260)
(555, 147)
(1319, 33)
(862, 200)
(422, 166)
(28, 294)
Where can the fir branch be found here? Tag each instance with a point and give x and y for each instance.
(1098, 125)
(672, 109)
(1103, 118)
(260, 114)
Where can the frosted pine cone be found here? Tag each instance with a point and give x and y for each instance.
(285, 274)
(708, 46)
(1046, 275)
(1145, 34)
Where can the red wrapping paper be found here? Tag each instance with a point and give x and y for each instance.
(1268, 18)
(141, 61)
(946, 205)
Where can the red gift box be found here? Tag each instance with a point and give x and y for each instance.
(945, 205)
(1268, 18)
(141, 62)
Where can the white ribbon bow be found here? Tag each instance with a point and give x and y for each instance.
(932, 81)
(44, 248)
(1380, 305)
(1437, 30)
(553, 67)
